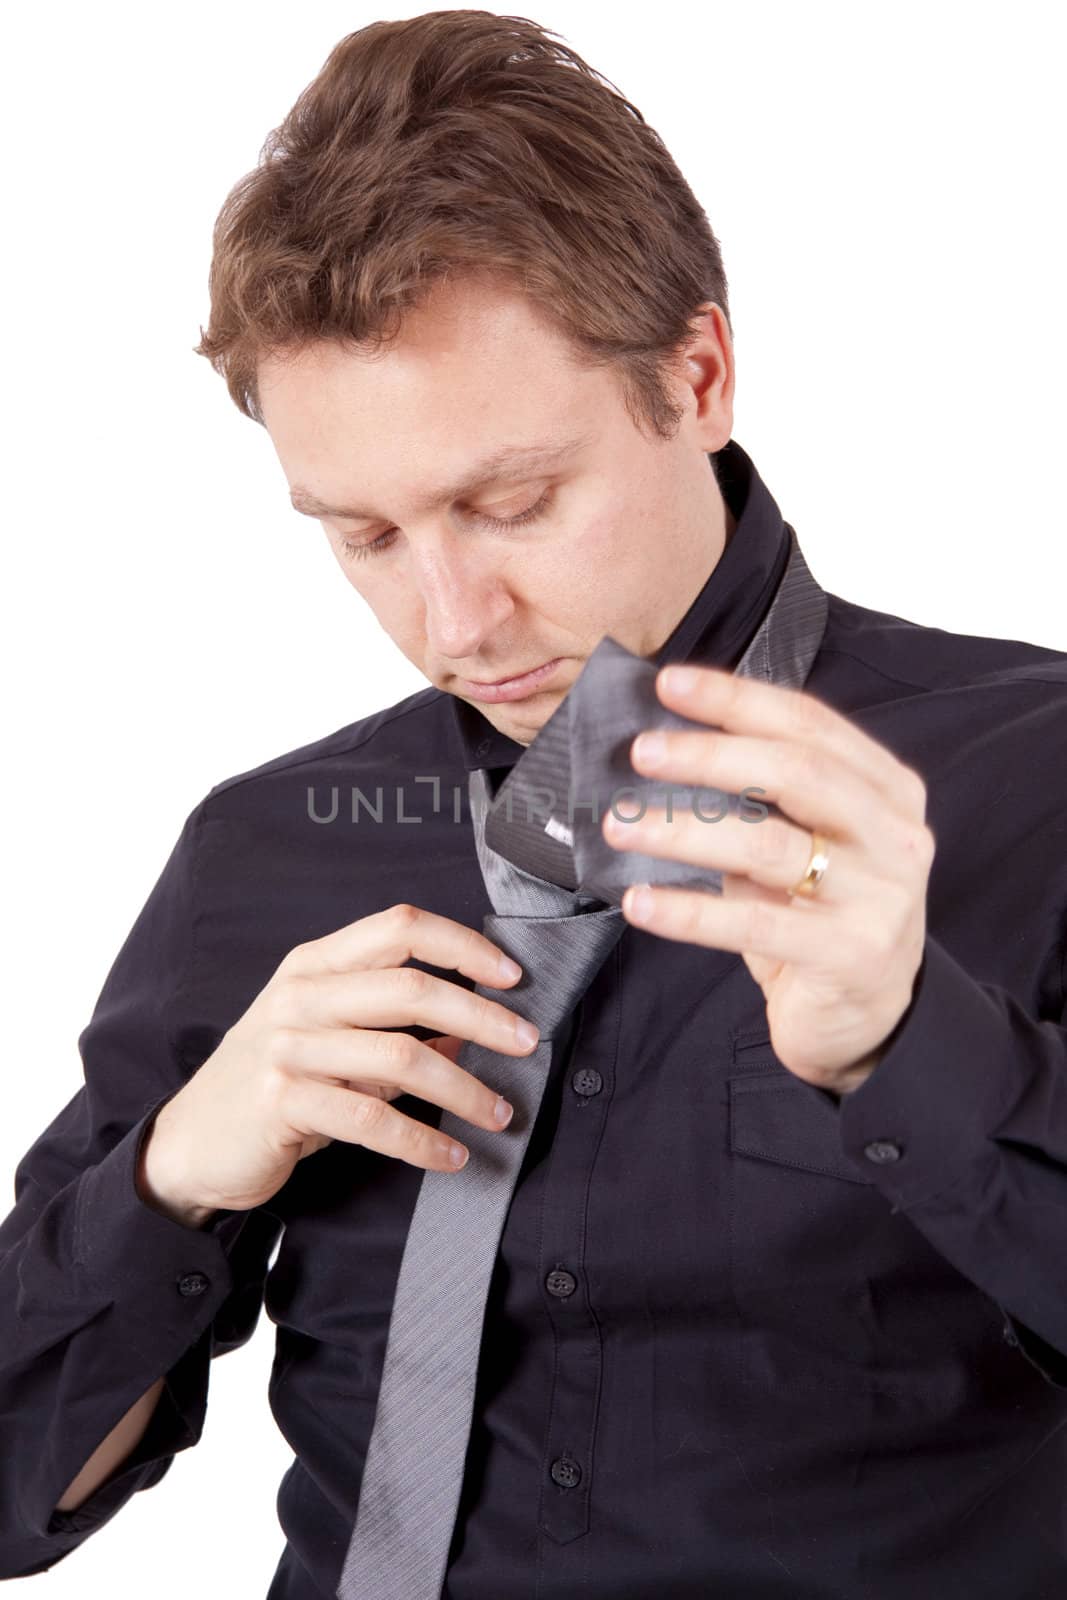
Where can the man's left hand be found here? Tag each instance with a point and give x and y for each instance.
(838, 968)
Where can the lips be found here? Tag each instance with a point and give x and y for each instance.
(514, 688)
(494, 683)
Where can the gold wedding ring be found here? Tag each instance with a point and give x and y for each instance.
(818, 861)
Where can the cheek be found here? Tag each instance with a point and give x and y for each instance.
(584, 560)
(577, 581)
(617, 559)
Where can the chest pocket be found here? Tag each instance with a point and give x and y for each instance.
(803, 1221)
(776, 1116)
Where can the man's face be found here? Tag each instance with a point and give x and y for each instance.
(623, 529)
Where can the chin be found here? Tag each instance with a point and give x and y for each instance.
(525, 729)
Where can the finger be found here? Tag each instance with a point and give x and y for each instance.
(397, 934)
(400, 997)
(447, 1044)
(772, 851)
(746, 705)
(812, 785)
(777, 932)
(362, 1059)
(313, 1107)
(764, 969)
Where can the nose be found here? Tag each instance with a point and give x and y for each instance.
(464, 599)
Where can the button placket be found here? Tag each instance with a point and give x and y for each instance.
(570, 1437)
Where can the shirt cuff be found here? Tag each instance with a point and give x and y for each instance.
(950, 1072)
(166, 1276)
(159, 1285)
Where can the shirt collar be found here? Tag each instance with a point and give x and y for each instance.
(719, 624)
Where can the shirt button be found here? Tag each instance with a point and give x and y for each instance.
(561, 1283)
(565, 1472)
(483, 748)
(587, 1081)
(192, 1283)
(882, 1150)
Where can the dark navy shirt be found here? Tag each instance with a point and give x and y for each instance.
(744, 1339)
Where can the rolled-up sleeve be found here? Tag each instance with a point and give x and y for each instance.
(101, 1293)
(963, 1126)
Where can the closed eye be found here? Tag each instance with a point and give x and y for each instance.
(357, 552)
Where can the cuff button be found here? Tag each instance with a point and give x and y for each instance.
(882, 1151)
(192, 1283)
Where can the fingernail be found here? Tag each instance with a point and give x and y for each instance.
(502, 1111)
(526, 1031)
(457, 1155)
(639, 903)
(680, 680)
(508, 969)
(650, 748)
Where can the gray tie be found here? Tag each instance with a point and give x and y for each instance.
(538, 875)
(414, 1467)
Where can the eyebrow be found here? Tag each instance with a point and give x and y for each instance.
(510, 461)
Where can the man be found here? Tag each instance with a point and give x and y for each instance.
(780, 1304)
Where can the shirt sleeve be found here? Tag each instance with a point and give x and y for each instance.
(963, 1126)
(101, 1294)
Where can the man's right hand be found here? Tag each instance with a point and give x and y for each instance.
(306, 1064)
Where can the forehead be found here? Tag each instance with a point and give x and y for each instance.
(470, 390)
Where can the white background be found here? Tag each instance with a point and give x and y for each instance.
(886, 184)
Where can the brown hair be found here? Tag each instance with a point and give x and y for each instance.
(462, 142)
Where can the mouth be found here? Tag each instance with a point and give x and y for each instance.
(515, 688)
